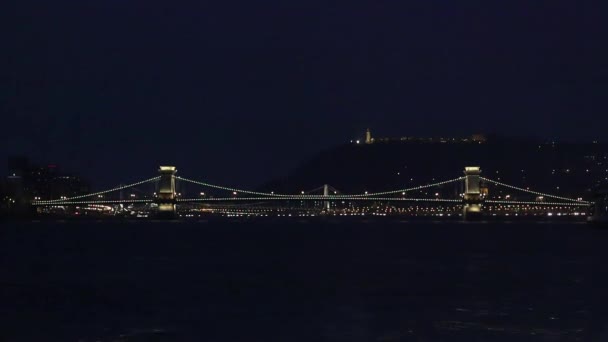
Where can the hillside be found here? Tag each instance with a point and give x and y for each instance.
(562, 168)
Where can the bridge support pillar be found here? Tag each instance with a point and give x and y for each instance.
(325, 194)
(166, 195)
(472, 199)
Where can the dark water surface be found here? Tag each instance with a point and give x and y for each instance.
(295, 281)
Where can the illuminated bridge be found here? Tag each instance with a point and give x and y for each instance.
(468, 192)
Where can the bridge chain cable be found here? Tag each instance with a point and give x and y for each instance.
(336, 196)
(319, 198)
(534, 192)
(331, 188)
(229, 189)
(315, 189)
(96, 202)
(570, 204)
(63, 200)
(409, 189)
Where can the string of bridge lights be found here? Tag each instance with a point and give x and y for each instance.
(319, 198)
(62, 200)
(571, 204)
(534, 192)
(403, 191)
(229, 189)
(272, 195)
(70, 200)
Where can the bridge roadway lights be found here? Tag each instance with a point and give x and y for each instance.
(473, 198)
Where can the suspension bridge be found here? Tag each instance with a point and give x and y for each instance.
(472, 199)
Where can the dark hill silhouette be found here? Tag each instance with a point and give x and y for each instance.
(353, 168)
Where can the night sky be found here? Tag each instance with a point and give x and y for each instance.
(238, 92)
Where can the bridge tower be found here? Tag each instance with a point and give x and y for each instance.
(473, 199)
(325, 194)
(166, 196)
(600, 206)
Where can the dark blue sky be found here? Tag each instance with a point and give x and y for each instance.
(240, 91)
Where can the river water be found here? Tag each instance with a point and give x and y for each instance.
(303, 281)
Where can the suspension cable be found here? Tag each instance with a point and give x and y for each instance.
(409, 189)
(319, 198)
(100, 202)
(342, 196)
(533, 192)
(230, 189)
(528, 203)
(98, 193)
